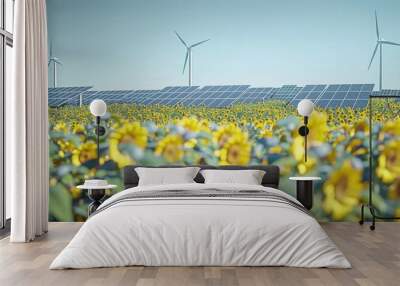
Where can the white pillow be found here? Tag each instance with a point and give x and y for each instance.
(166, 176)
(248, 177)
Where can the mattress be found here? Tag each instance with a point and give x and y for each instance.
(201, 225)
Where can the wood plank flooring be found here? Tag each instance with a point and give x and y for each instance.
(375, 257)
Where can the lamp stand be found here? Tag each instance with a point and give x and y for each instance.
(303, 131)
(100, 131)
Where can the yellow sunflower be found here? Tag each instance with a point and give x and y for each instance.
(236, 151)
(389, 162)
(275, 149)
(265, 133)
(318, 126)
(392, 127)
(297, 151)
(360, 126)
(61, 127)
(356, 147)
(128, 133)
(189, 123)
(205, 125)
(66, 146)
(193, 124)
(342, 191)
(78, 128)
(223, 134)
(85, 152)
(171, 148)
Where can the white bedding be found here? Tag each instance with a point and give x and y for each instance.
(200, 231)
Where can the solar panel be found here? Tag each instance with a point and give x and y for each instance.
(255, 94)
(225, 88)
(287, 92)
(60, 96)
(311, 92)
(109, 96)
(140, 96)
(179, 88)
(57, 90)
(172, 95)
(361, 103)
(388, 92)
(215, 95)
(345, 95)
(323, 103)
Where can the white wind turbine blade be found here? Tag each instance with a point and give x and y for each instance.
(51, 54)
(186, 59)
(58, 62)
(180, 38)
(373, 55)
(376, 26)
(199, 43)
(390, 43)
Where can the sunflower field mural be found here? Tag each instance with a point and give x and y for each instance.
(264, 133)
(218, 83)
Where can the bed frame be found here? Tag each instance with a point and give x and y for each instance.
(270, 179)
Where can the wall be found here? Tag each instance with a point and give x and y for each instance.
(132, 46)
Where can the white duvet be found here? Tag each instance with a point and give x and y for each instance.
(200, 231)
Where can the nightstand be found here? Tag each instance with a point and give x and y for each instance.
(304, 190)
(96, 192)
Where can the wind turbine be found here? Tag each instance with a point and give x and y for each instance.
(379, 43)
(189, 55)
(56, 61)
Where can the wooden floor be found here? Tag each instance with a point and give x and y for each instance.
(375, 257)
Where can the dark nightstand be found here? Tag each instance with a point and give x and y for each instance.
(304, 190)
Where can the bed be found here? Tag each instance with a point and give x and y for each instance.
(197, 224)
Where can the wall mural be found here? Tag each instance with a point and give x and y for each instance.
(224, 92)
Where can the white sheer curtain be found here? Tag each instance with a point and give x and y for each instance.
(27, 124)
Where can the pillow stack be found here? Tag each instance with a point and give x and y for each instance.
(186, 175)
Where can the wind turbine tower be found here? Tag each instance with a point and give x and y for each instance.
(379, 44)
(189, 55)
(56, 61)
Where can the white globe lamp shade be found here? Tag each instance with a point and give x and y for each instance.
(305, 107)
(98, 107)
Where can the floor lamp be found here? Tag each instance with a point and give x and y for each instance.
(98, 108)
(305, 108)
(370, 206)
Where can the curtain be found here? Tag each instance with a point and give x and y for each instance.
(27, 124)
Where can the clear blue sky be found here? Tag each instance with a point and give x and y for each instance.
(129, 44)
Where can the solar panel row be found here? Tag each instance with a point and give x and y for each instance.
(327, 96)
(60, 96)
(388, 92)
(345, 95)
(336, 95)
